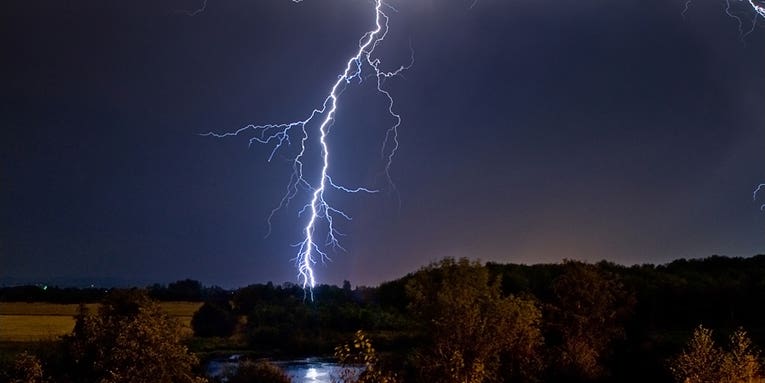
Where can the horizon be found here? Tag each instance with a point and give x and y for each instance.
(117, 283)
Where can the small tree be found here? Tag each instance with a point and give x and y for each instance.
(700, 361)
(26, 368)
(585, 317)
(703, 362)
(129, 340)
(214, 319)
(741, 364)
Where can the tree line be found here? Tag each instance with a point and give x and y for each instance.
(188, 290)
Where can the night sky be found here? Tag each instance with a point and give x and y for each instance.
(533, 131)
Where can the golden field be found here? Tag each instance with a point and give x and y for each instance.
(25, 322)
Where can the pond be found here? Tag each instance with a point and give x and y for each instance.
(308, 370)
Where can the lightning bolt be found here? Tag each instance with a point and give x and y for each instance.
(754, 195)
(685, 9)
(758, 6)
(194, 12)
(319, 210)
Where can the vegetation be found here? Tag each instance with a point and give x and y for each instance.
(468, 325)
(130, 339)
(361, 354)
(260, 372)
(452, 321)
(703, 362)
(585, 316)
(26, 368)
(214, 319)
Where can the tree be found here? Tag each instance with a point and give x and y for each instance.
(585, 317)
(469, 324)
(741, 364)
(129, 340)
(26, 368)
(214, 319)
(703, 362)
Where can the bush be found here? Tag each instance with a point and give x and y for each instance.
(260, 372)
(214, 320)
(26, 368)
(129, 340)
(357, 353)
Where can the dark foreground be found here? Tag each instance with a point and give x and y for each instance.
(454, 321)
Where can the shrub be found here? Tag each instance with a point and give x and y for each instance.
(26, 368)
(214, 319)
(361, 353)
(260, 372)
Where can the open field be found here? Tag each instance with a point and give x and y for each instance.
(26, 322)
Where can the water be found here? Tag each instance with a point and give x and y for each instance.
(309, 370)
(313, 370)
(219, 367)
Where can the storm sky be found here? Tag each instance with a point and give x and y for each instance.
(533, 131)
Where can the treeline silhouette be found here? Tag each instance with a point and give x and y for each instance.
(183, 290)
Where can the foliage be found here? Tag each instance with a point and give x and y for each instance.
(703, 362)
(26, 368)
(584, 318)
(741, 364)
(469, 324)
(700, 361)
(625, 343)
(129, 340)
(214, 319)
(360, 352)
(280, 320)
(260, 372)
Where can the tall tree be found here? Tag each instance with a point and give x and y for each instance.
(469, 324)
(585, 317)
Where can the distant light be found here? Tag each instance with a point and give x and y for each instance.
(312, 374)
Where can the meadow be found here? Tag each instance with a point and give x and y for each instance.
(29, 322)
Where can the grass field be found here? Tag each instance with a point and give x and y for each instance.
(27, 322)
